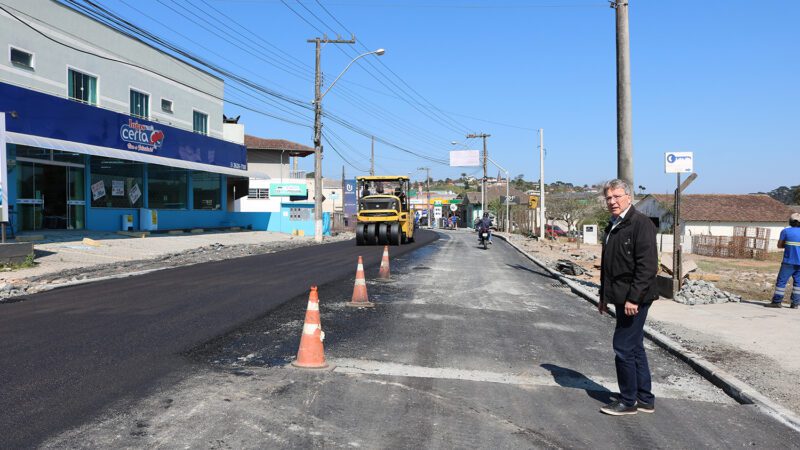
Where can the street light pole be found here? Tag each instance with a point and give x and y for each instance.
(318, 96)
(541, 183)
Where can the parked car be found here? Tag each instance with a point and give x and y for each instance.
(554, 231)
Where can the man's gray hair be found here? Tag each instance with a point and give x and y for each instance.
(616, 183)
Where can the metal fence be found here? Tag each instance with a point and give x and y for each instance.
(746, 242)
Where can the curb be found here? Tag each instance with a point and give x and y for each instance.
(735, 388)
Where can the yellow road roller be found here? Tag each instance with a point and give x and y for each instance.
(383, 217)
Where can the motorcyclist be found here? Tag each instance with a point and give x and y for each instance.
(485, 224)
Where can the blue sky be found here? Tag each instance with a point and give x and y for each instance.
(718, 78)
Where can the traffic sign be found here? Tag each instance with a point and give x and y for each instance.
(453, 208)
(533, 201)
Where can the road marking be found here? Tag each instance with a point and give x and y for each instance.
(691, 388)
(429, 316)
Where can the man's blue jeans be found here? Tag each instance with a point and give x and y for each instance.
(633, 371)
(786, 271)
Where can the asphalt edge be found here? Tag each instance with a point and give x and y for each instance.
(735, 388)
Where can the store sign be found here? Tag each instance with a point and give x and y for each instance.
(141, 137)
(288, 190)
(47, 116)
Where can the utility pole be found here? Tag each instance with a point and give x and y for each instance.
(483, 182)
(372, 158)
(541, 183)
(624, 115)
(318, 131)
(428, 190)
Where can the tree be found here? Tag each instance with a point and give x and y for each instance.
(465, 180)
(572, 210)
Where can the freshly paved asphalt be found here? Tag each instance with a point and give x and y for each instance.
(68, 353)
(465, 348)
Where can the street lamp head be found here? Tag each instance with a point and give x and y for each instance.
(453, 142)
(380, 51)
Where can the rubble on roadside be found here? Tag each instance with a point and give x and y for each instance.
(700, 292)
(697, 289)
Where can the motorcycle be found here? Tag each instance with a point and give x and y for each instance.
(483, 235)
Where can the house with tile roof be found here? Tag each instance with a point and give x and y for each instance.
(717, 214)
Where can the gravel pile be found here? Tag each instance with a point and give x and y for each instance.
(699, 292)
(15, 290)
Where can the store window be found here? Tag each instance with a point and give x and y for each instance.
(82, 87)
(26, 152)
(140, 104)
(167, 187)
(116, 183)
(206, 190)
(200, 122)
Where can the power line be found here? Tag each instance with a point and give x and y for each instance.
(148, 70)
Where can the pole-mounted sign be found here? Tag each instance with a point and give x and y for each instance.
(678, 162)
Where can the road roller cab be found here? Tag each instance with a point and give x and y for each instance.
(384, 217)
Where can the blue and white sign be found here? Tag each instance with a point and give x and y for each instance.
(48, 116)
(678, 162)
(350, 198)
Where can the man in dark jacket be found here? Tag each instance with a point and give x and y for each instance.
(628, 280)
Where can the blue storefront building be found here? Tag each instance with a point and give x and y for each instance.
(73, 165)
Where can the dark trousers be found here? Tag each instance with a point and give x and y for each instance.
(633, 373)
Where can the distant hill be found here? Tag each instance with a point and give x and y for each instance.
(786, 195)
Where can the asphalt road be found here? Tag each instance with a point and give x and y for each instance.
(69, 353)
(465, 349)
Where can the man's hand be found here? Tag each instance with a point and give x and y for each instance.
(602, 307)
(631, 309)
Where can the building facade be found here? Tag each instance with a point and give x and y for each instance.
(99, 127)
(716, 215)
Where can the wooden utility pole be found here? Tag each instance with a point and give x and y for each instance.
(624, 114)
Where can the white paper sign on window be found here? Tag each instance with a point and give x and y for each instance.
(117, 188)
(134, 194)
(98, 190)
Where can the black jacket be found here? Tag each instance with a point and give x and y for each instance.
(630, 261)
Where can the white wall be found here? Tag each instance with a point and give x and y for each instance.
(726, 229)
(193, 89)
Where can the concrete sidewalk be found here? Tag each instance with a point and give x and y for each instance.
(66, 250)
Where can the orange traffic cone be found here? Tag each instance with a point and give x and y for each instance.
(383, 273)
(360, 298)
(311, 354)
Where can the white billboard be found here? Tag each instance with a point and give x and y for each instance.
(678, 162)
(465, 158)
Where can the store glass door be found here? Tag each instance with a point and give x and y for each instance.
(51, 196)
